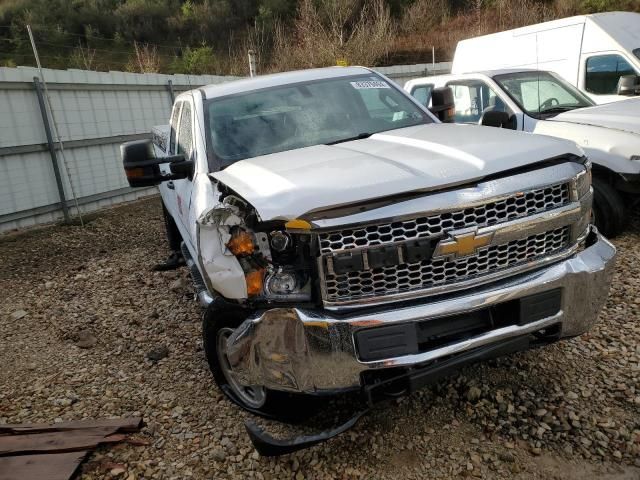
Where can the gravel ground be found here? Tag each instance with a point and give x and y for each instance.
(82, 314)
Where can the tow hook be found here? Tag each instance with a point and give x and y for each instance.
(268, 446)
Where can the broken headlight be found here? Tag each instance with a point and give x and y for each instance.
(276, 263)
(287, 277)
(287, 285)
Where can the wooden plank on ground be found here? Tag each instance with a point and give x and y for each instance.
(53, 466)
(68, 441)
(118, 424)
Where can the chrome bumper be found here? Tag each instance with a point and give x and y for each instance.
(313, 351)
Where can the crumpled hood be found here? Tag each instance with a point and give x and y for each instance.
(623, 116)
(430, 157)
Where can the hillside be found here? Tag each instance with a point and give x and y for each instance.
(213, 36)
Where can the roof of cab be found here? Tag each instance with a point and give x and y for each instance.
(277, 79)
(470, 75)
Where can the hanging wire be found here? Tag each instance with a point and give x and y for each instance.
(80, 35)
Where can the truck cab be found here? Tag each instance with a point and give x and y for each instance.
(543, 103)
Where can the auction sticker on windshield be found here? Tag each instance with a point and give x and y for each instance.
(370, 84)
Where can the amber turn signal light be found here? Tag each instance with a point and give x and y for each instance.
(134, 172)
(241, 244)
(255, 280)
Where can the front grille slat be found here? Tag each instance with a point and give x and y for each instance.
(437, 272)
(512, 208)
(407, 277)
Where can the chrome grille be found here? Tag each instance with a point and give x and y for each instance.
(511, 208)
(438, 272)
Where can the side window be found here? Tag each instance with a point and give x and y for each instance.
(603, 73)
(422, 93)
(185, 132)
(472, 99)
(174, 127)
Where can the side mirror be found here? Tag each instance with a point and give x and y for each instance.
(142, 167)
(442, 104)
(496, 119)
(628, 85)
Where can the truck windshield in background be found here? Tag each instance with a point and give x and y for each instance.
(301, 115)
(542, 94)
(636, 52)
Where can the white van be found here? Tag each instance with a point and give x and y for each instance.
(591, 52)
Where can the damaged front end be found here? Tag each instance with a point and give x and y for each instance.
(255, 263)
(371, 302)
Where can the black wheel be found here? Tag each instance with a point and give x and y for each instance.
(173, 234)
(283, 406)
(608, 208)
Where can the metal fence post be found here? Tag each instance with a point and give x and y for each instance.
(252, 64)
(172, 95)
(52, 149)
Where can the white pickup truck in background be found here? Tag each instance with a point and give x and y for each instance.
(543, 103)
(591, 52)
(343, 239)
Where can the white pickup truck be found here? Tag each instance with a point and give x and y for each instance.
(543, 103)
(344, 239)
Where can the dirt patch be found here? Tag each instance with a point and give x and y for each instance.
(82, 309)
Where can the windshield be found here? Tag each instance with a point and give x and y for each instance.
(636, 52)
(301, 115)
(542, 94)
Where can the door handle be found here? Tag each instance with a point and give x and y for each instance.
(171, 185)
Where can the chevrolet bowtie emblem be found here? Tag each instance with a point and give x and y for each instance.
(462, 244)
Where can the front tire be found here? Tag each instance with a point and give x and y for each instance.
(608, 208)
(283, 406)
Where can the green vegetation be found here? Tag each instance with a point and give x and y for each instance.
(214, 36)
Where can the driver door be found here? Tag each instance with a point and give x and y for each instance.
(475, 97)
(183, 188)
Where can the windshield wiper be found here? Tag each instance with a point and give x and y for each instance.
(556, 110)
(360, 136)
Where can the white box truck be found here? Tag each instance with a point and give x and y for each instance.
(592, 52)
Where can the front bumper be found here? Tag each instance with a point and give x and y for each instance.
(315, 351)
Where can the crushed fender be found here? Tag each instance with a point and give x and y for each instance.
(268, 446)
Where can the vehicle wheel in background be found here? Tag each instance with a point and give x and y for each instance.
(608, 208)
(283, 406)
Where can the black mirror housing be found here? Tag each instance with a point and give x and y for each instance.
(182, 169)
(496, 119)
(628, 85)
(142, 167)
(442, 104)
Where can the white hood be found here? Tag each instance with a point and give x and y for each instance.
(623, 116)
(289, 184)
